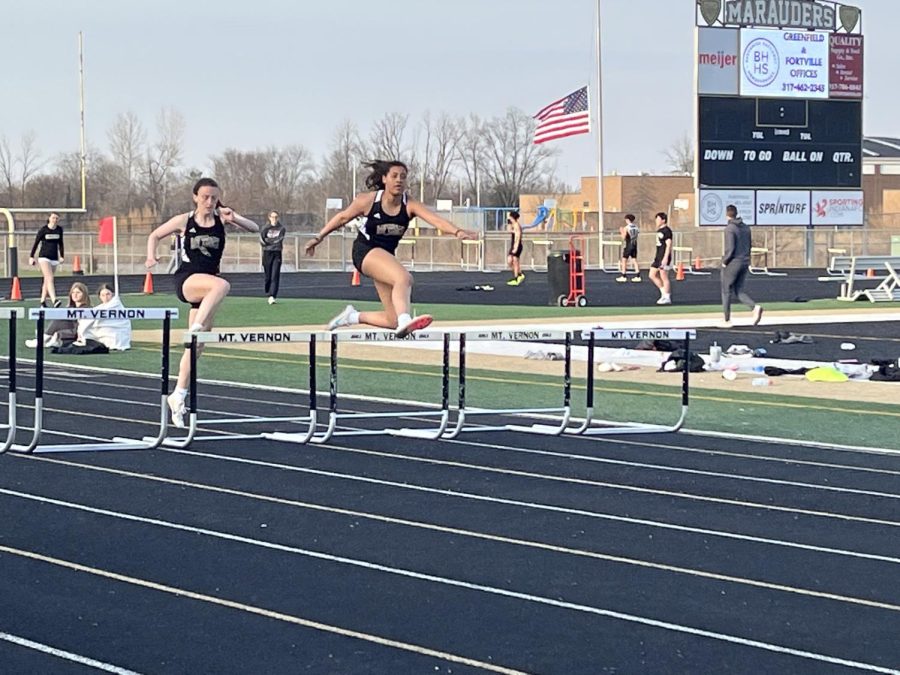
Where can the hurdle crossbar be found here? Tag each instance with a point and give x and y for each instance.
(41, 315)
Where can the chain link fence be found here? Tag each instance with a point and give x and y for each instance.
(423, 248)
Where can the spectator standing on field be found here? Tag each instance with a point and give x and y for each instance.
(736, 266)
(271, 238)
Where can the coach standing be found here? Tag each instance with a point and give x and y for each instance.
(736, 266)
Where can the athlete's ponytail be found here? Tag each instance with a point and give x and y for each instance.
(380, 169)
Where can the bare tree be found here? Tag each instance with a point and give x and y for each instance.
(243, 175)
(163, 158)
(439, 154)
(472, 152)
(127, 143)
(514, 164)
(287, 170)
(346, 152)
(680, 156)
(7, 169)
(387, 135)
(29, 161)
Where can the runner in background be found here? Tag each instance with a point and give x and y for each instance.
(52, 253)
(662, 262)
(629, 232)
(514, 255)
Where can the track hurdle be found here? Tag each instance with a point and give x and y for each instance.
(12, 314)
(464, 413)
(322, 431)
(193, 342)
(41, 315)
(597, 427)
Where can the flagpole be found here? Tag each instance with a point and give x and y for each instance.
(115, 234)
(599, 98)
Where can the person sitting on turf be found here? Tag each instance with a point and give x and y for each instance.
(387, 212)
(114, 334)
(59, 331)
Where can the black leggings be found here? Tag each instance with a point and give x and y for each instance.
(272, 268)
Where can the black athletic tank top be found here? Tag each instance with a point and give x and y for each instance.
(202, 247)
(381, 230)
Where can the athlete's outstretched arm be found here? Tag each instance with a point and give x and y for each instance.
(358, 207)
(419, 210)
(168, 228)
(233, 217)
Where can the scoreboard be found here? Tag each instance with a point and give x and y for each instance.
(779, 113)
(771, 142)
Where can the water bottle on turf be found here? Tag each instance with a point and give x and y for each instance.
(760, 382)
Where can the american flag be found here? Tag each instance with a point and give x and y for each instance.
(566, 117)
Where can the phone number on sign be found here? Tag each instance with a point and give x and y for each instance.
(804, 88)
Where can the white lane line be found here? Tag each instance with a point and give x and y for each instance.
(744, 581)
(694, 472)
(497, 500)
(551, 602)
(603, 484)
(259, 611)
(68, 656)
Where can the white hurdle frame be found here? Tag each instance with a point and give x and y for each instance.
(12, 314)
(193, 341)
(313, 433)
(70, 313)
(610, 428)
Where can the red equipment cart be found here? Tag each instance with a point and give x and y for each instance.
(576, 274)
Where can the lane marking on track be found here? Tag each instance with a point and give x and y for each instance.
(499, 500)
(703, 574)
(596, 611)
(259, 611)
(68, 656)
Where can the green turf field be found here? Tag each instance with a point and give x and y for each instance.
(765, 414)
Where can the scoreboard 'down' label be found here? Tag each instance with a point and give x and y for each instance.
(765, 142)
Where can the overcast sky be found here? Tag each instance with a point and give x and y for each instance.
(253, 73)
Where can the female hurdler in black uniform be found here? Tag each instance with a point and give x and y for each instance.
(197, 281)
(387, 214)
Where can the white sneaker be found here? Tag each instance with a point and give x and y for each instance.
(342, 319)
(621, 279)
(32, 343)
(196, 328)
(272, 300)
(54, 341)
(723, 324)
(176, 408)
(664, 300)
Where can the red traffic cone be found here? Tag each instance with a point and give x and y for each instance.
(148, 284)
(697, 265)
(354, 280)
(76, 266)
(16, 292)
(679, 274)
(870, 273)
